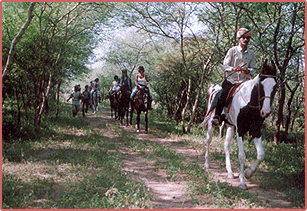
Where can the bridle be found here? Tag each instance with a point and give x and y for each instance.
(261, 98)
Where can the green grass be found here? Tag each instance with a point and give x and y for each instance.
(62, 169)
(68, 165)
(283, 168)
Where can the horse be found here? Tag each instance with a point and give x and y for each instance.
(95, 101)
(250, 105)
(114, 105)
(140, 103)
(213, 91)
(124, 103)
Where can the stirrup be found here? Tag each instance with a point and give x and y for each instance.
(216, 121)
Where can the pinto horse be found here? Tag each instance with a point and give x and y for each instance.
(140, 103)
(123, 104)
(250, 105)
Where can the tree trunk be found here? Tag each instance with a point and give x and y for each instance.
(18, 105)
(58, 99)
(279, 121)
(288, 118)
(17, 38)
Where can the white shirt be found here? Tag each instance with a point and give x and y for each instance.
(142, 81)
(237, 57)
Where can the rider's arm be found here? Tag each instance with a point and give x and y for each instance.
(136, 81)
(146, 77)
(70, 96)
(228, 63)
(252, 63)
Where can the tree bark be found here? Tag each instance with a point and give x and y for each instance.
(17, 38)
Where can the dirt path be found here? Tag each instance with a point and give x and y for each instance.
(173, 195)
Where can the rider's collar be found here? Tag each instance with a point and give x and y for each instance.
(241, 49)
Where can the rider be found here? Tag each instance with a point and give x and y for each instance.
(76, 97)
(91, 89)
(239, 62)
(86, 98)
(96, 87)
(141, 80)
(114, 86)
(124, 81)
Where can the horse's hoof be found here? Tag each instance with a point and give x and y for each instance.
(230, 176)
(207, 165)
(248, 173)
(243, 186)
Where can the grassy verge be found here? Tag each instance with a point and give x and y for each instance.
(68, 166)
(282, 170)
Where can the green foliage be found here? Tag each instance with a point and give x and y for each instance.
(64, 170)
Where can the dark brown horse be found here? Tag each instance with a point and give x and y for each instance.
(114, 104)
(140, 103)
(124, 102)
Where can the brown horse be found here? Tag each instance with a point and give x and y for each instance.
(124, 102)
(140, 103)
(114, 104)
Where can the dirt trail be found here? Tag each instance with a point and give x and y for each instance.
(173, 195)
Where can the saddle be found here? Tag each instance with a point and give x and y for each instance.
(228, 100)
(141, 97)
(231, 92)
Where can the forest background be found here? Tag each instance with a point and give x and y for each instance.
(47, 45)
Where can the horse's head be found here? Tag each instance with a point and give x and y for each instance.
(267, 79)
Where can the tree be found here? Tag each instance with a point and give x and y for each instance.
(278, 33)
(56, 46)
(172, 21)
(17, 38)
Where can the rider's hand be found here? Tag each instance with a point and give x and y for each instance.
(237, 69)
(245, 70)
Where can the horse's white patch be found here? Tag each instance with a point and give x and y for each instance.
(268, 85)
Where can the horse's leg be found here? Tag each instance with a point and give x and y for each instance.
(146, 121)
(127, 112)
(131, 114)
(121, 115)
(260, 156)
(227, 145)
(221, 128)
(242, 159)
(208, 142)
(83, 111)
(138, 121)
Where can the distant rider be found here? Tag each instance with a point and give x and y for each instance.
(141, 81)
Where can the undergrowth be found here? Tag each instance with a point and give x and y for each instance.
(68, 165)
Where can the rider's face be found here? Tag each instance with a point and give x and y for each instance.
(244, 41)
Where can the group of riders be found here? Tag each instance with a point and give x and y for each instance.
(87, 97)
(119, 83)
(238, 64)
(125, 83)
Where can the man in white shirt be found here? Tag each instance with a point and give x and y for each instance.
(238, 63)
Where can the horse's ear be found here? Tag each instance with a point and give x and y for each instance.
(265, 67)
(273, 67)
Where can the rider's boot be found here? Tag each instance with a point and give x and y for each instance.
(216, 120)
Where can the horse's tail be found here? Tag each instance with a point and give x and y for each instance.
(212, 91)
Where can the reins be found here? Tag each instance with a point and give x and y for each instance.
(261, 98)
